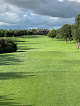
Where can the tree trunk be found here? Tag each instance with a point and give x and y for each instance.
(78, 44)
(65, 42)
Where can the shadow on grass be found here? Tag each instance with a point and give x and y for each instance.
(19, 41)
(32, 36)
(15, 75)
(20, 51)
(4, 101)
(9, 59)
(24, 48)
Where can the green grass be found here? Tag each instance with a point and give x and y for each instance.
(43, 72)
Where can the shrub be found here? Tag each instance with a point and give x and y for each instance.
(7, 46)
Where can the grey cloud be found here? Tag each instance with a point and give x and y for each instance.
(10, 14)
(54, 8)
(37, 21)
(14, 13)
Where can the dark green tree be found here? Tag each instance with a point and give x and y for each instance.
(73, 32)
(2, 33)
(77, 29)
(66, 32)
(7, 46)
(58, 34)
(52, 33)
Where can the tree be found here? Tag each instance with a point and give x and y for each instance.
(66, 32)
(77, 29)
(52, 33)
(9, 33)
(58, 34)
(7, 46)
(1, 33)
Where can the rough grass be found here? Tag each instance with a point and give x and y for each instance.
(41, 73)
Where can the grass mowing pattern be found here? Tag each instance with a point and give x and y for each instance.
(42, 73)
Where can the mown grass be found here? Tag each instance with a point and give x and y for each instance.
(43, 72)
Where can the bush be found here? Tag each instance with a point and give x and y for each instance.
(7, 46)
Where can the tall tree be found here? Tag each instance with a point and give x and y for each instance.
(66, 31)
(77, 29)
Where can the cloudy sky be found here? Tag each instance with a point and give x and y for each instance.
(27, 14)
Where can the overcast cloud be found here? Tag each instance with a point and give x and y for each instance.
(23, 14)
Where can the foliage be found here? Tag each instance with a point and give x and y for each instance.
(73, 31)
(7, 46)
(76, 29)
(58, 36)
(1, 33)
(66, 31)
(58, 31)
(20, 33)
(52, 33)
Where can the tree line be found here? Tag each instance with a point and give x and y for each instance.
(67, 32)
(18, 33)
